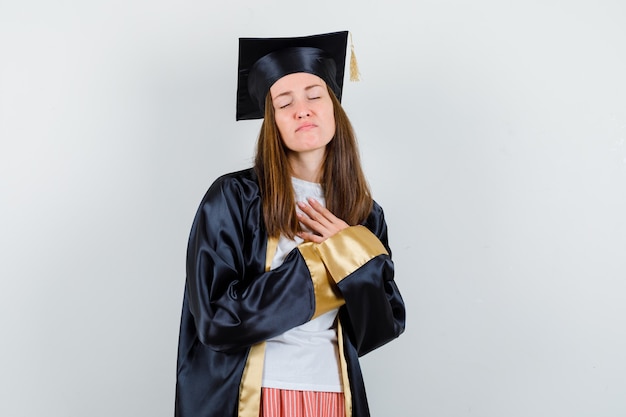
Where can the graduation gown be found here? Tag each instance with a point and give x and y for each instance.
(233, 302)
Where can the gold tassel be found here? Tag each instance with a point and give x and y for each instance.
(355, 75)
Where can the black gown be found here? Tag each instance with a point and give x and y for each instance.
(233, 302)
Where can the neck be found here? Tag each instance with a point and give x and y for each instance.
(305, 166)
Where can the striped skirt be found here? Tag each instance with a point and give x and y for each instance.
(287, 403)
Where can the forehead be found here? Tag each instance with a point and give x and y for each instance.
(294, 82)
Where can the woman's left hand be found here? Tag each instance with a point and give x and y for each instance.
(322, 223)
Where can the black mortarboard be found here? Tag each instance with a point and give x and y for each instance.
(263, 61)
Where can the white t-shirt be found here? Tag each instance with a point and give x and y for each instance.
(304, 358)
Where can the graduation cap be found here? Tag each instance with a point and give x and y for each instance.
(263, 61)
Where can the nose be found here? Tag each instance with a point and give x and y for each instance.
(302, 111)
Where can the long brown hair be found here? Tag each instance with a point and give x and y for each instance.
(345, 188)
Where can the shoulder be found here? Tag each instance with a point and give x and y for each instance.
(235, 189)
(377, 209)
(246, 177)
(376, 215)
(233, 197)
(240, 183)
(229, 216)
(375, 222)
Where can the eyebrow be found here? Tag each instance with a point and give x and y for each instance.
(291, 92)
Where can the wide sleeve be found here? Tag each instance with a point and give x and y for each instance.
(359, 260)
(235, 303)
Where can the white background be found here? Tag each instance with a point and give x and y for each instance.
(493, 134)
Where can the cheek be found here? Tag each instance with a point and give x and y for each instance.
(331, 122)
(281, 124)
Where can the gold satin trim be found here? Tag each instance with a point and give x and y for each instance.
(250, 388)
(327, 295)
(252, 378)
(357, 245)
(347, 394)
(272, 246)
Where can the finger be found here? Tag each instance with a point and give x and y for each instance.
(319, 219)
(312, 224)
(320, 209)
(309, 210)
(311, 237)
(331, 222)
(319, 213)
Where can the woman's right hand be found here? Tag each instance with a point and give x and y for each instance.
(317, 218)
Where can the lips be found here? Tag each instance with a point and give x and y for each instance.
(305, 127)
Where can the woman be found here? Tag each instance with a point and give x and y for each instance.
(289, 275)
